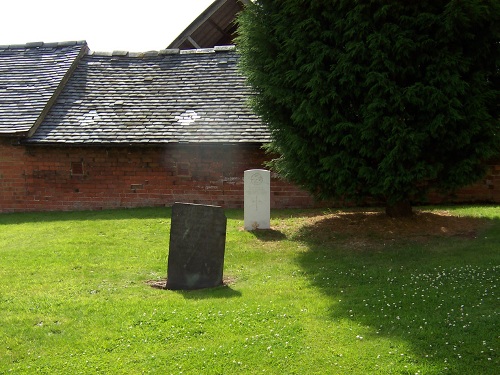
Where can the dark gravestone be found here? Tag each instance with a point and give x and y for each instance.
(197, 243)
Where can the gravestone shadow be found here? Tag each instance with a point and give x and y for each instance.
(268, 235)
(223, 291)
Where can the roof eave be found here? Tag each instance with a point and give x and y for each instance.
(15, 134)
(144, 144)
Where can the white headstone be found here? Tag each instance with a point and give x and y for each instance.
(257, 204)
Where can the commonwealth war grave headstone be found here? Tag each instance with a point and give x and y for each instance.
(197, 245)
(257, 199)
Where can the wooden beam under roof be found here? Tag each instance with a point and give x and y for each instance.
(213, 27)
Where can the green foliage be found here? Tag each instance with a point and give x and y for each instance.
(374, 98)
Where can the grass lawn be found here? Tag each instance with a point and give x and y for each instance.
(321, 293)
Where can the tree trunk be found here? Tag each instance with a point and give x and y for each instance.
(399, 209)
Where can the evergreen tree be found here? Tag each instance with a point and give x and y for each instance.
(376, 98)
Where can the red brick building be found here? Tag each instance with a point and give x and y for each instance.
(82, 130)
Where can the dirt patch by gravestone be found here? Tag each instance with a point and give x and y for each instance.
(162, 283)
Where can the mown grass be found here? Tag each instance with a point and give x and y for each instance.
(74, 299)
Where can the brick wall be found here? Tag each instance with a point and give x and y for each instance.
(78, 178)
(12, 178)
(82, 178)
(485, 190)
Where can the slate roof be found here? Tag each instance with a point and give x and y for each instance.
(30, 77)
(169, 96)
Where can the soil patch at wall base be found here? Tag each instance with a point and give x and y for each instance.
(365, 229)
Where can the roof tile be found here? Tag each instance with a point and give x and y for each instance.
(154, 98)
(30, 74)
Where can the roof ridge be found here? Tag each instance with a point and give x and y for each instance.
(171, 51)
(44, 45)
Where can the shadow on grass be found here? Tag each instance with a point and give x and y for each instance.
(54, 216)
(268, 235)
(433, 291)
(222, 291)
(126, 214)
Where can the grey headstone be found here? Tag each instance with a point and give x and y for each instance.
(197, 245)
(257, 199)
